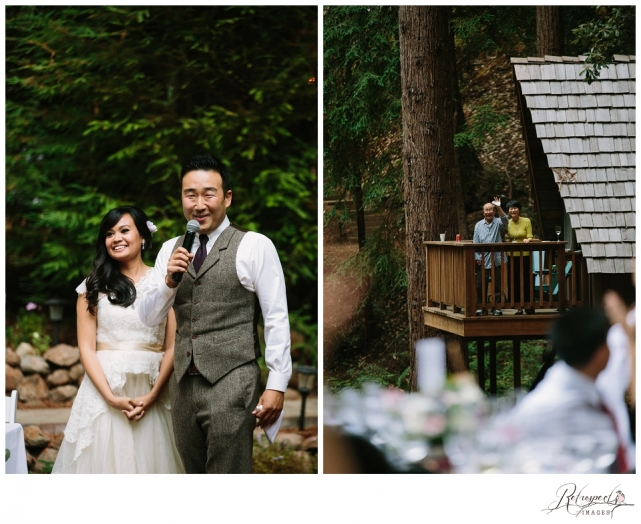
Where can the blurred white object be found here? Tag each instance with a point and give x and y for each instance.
(614, 381)
(15, 452)
(430, 365)
(11, 407)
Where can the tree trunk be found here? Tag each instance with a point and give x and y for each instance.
(429, 182)
(360, 213)
(549, 30)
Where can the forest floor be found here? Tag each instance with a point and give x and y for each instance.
(355, 352)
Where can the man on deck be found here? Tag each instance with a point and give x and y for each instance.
(490, 230)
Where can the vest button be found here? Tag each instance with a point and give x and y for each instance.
(195, 301)
(194, 336)
(197, 283)
(194, 319)
(189, 353)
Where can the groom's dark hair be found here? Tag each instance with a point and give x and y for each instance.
(207, 163)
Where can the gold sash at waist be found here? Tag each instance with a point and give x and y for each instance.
(137, 346)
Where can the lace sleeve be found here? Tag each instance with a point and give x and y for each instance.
(82, 288)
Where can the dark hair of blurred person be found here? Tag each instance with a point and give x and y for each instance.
(578, 335)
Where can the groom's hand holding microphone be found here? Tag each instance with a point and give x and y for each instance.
(177, 264)
(180, 259)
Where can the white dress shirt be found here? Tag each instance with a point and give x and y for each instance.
(259, 271)
(565, 401)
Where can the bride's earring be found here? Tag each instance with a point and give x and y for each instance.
(143, 245)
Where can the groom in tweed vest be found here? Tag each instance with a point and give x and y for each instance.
(229, 278)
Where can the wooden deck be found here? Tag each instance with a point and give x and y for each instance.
(452, 302)
(505, 326)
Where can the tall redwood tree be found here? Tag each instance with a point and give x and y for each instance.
(549, 30)
(432, 197)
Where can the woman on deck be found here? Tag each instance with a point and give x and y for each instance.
(519, 229)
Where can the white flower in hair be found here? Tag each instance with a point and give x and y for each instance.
(151, 226)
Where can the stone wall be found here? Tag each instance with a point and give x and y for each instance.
(50, 380)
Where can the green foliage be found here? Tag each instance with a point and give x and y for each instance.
(305, 347)
(363, 373)
(282, 459)
(48, 465)
(380, 263)
(104, 103)
(611, 32)
(482, 122)
(481, 31)
(362, 104)
(30, 326)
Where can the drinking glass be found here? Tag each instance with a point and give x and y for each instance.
(557, 230)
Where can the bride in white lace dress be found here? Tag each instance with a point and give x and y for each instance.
(120, 421)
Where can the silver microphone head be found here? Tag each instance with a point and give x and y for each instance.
(193, 226)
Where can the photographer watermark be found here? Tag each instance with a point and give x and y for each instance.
(587, 502)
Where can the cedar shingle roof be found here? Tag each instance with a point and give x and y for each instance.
(588, 135)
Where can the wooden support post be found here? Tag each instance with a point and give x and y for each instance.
(456, 359)
(480, 363)
(516, 362)
(493, 367)
(466, 353)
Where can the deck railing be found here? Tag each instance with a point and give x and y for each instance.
(557, 278)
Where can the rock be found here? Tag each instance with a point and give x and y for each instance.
(63, 393)
(57, 440)
(310, 444)
(31, 461)
(76, 372)
(59, 377)
(11, 357)
(34, 364)
(12, 377)
(63, 355)
(32, 388)
(35, 438)
(46, 460)
(293, 440)
(25, 349)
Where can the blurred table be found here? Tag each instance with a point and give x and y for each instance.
(14, 447)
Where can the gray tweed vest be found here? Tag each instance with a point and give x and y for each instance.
(216, 315)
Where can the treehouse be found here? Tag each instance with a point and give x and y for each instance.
(580, 144)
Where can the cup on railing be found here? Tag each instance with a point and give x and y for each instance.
(442, 237)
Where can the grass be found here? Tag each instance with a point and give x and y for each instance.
(283, 459)
(363, 371)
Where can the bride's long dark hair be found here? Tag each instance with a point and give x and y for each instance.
(106, 276)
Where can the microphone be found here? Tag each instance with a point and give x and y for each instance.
(192, 228)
